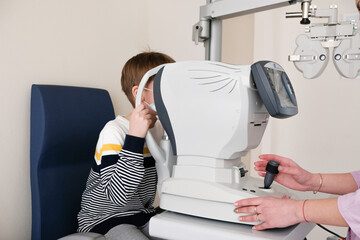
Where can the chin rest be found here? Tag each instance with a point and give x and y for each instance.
(65, 125)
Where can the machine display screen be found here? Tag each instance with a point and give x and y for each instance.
(275, 77)
(274, 88)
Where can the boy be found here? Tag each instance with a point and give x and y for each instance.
(121, 186)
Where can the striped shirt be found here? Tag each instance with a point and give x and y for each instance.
(122, 182)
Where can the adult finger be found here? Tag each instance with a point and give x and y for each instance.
(288, 170)
(261, 163)
(250, 209)
(249, 218)
(248, 202)
(261, 226)
(260, 166)
(274, 157)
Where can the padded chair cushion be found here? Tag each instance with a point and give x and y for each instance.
(65, 125)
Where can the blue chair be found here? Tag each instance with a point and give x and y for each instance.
(65, 124)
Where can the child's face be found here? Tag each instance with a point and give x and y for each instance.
(147, 94)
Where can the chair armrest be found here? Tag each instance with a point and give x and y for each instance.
(83, 236)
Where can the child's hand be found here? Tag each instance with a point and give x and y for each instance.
(142, 118)
(153, 116)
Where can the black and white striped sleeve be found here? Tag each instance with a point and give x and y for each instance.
(122, 177)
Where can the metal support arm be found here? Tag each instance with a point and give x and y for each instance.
(209, 28)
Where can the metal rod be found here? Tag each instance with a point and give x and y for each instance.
(213, 45)
(215, 41)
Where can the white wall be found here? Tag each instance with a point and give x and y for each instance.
(72, 42)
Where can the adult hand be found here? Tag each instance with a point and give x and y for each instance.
(271, 212)
(142, 118)
(290, 174)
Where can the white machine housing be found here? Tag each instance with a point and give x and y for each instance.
(214, 102)
(212, 115)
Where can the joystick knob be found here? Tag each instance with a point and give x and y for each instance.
(271, 171)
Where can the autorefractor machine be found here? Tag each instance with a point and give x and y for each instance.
(214, 113)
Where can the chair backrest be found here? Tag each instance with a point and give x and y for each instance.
(65, 125)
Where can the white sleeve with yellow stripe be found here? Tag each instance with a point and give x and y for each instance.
(119, 162)
(110, 142)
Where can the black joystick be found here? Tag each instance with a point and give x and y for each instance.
(271, 171)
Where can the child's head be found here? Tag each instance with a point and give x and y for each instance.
(136, 67)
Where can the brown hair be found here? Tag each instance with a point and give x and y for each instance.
(135, 68)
